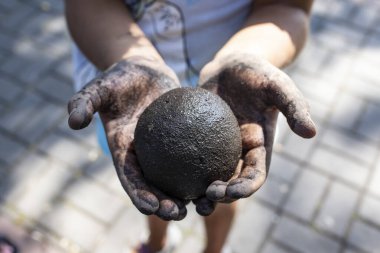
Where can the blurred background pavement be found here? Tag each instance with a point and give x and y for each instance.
(58, 193)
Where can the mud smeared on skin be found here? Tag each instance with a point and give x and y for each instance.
(120, 95)
(256, 91)
(187, 139)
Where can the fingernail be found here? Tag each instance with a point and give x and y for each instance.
(168, 210)
(75, 120)
(146, 204)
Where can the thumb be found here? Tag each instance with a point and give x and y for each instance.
(84, 104)
(290, 101)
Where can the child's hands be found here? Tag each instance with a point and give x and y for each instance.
(255, 90)
(120, 95)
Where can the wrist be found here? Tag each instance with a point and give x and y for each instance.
(238, 53)
(235, 60)
(153, 63)
(143, 54)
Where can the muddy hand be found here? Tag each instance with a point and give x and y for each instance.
(255, 90)
(120, 95)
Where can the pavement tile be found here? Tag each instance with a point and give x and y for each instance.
(25, 240)
(56, 24)
(43, 189)
(9, 4)
(22, 175)
(50, 6)
(53, 87)
(337, 67)
(25, 46)
(9, 91)
(66, 150)
(94, 199)
(3, 56)
(114, 185)
(283, 168)
(341, 8)
(65, 69)
(350, 145)
(10, 149)
(19, 113)
(313, 51)
(127, 231)
(17, 17)
(365, 15)
(320, 8)
(335, 36)
(339, 166)
(318, 111)
(370, 50)
(53, 44)
(37, 24)
(363, 88)
(347, 111)
(273, 191)
(299, 148)
(282, 131)
(366, 71)
(306, 195)
(351, 251)
(272, 248)
(337, 209)
(25, 69)
(375, 180)
(192, 244)
(365, 237)
(190, 225)
(370, 209)
(46, 116)
(376, 27)
(73, 225)
(325, 93)
(369, 125)
(6, 42)
(316, 23)
(241, 237)
(101, 170)
(48, 47)
(86, 135)
(303, 238)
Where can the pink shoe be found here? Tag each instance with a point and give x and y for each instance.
(6, 246)
(174, 238)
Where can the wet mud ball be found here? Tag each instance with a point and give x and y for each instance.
(185, 140)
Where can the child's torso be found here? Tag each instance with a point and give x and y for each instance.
(188, 33)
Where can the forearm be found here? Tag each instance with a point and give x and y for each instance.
(106, 33)
(276, 32)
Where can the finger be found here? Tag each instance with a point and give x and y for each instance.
(84, 104)
(170, 208)
(136, 187)
(252, 136)
(210, 86)
(289, 100)
(252, 176)
(216, 190)
(204, 206)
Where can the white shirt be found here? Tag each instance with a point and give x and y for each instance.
(186, 33)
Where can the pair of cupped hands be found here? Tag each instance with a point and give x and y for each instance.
(253, 88)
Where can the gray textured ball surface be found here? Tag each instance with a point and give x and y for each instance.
(185, 140)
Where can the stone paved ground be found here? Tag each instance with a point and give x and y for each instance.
(59, 194)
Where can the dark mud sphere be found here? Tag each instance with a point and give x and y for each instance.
(187, 139)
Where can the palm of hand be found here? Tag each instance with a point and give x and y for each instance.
(255, 91)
